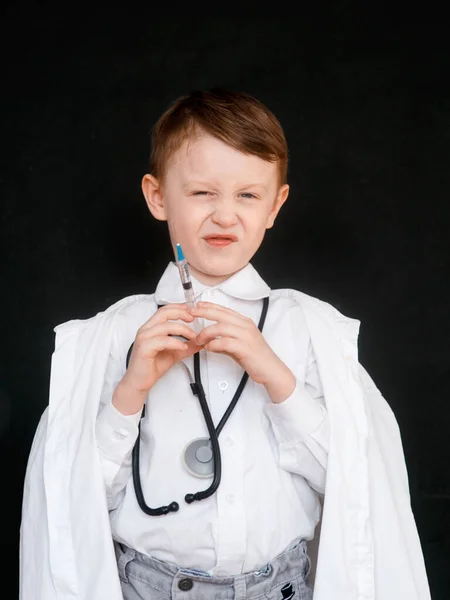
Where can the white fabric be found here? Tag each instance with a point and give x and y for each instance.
(259, 508)
(368, 547)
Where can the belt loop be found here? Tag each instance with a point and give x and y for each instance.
(124, 556)
(240, 588)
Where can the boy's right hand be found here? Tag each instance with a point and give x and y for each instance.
(154, 353)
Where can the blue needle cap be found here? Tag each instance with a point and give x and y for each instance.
(180, 255)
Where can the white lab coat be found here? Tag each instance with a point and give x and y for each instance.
(368, 547)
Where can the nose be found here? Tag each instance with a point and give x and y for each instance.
(224, 213)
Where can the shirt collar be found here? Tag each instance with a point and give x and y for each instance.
(246, 284)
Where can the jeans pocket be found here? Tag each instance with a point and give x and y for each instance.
(122, 560)
(306, 567)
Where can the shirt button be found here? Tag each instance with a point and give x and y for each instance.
(223, 385)
(185, 584)
(120, 434)
(213, 293)
(229, 442)
(230, 498)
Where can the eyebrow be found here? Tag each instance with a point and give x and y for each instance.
(197, 183)
(207, 184)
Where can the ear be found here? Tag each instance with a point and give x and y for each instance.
(152, 190)
(281, 198)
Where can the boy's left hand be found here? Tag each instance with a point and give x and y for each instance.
(239, 338)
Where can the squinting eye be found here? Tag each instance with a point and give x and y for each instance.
(248, 195)
(199, 193)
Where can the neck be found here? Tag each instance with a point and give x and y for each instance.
(207, 278)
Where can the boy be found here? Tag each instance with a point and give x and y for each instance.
(309, 429)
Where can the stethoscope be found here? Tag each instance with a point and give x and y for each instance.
(202, 455)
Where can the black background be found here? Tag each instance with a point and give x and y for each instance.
(363, 96)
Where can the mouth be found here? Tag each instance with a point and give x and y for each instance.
(220, 240)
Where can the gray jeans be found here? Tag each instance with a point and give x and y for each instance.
(146, 578)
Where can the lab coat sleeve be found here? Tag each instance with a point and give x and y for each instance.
(115, 435)
(301, 427)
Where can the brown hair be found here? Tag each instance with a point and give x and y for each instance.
(236, 118)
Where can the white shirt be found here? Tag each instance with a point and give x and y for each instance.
(274, 456)
(366, 545)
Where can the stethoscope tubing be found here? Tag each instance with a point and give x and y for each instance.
(197, 389)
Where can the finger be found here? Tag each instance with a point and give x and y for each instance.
(213, 305)
(151, 347)
(164, 314)
(229, 346)
(220, 329)
(167, 328)
(168, 307)
(214, 312)
(193, 347)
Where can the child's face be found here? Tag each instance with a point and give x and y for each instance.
(211, 188)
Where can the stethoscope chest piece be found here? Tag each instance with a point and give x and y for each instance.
(198, 458)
